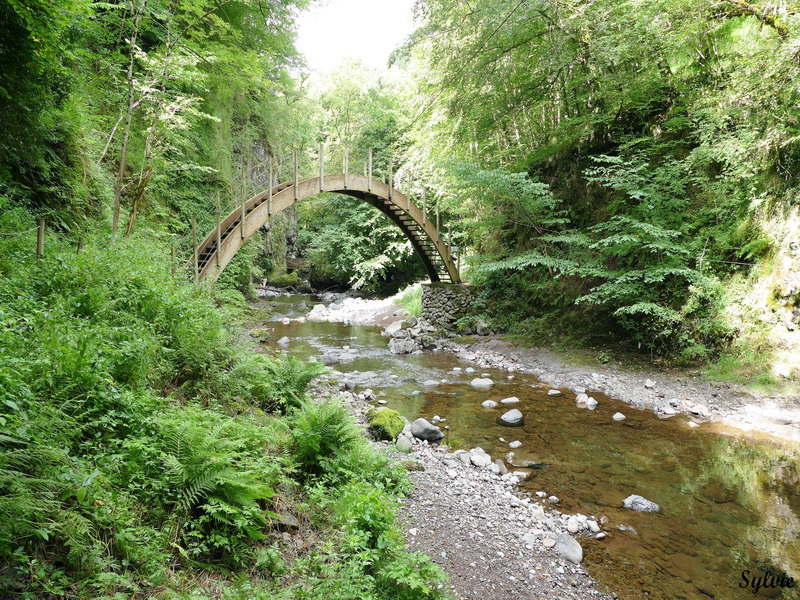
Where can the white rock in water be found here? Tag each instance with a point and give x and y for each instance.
(512, 417)
(300, 319)
(692, 424)
(489, 404)
(593, 526)
(640, 504)
(512, 400)
(430, 383)
(286, 320)
(649, 384)
(591, 403)
(554, 392)
(457, 369)
(618, 416)
(482, 382)
(469, 370)
(484, 375)
(284, 341)
(581, 399)
(515, 444)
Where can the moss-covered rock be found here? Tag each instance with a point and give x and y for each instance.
(386, 424)
(289, 280)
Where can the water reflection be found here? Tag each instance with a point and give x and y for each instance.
(729, 502)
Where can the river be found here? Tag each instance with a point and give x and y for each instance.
(730, 502)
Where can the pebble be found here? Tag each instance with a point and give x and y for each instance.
(512, 400)
(618, 416)
(554, 392)
(515, 444)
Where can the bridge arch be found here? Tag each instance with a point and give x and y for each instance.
(220, 246)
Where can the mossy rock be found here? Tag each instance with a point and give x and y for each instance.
(412, 465)
(289, 280)
(262, 335)
(386, 424)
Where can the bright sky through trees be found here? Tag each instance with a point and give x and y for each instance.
(367, 30)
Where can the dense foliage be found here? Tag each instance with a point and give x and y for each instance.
(145, 451)
(136, 454)
(662, 136)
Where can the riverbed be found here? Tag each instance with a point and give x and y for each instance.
(730, 502)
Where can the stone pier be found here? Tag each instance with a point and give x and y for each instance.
(445, 303)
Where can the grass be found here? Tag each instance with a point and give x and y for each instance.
(410, 298)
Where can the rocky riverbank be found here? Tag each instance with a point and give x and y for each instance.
(664, 394)
(468, 515)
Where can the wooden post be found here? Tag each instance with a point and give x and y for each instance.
(40, 240)
(269, 201)
(296, 178)
(194, 249)
(80, 245)
(449, 243)
(244, 217)
(321, 167)
(173, 264)
(346, 165)
(390, 179)
(219, 229)
(369, 170)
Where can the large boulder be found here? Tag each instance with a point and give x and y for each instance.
(640, 504)
(398, 346)
(386, 424)
(512, 418)
(569, 548)
(403, 444)
(423, 430)
(393, 328)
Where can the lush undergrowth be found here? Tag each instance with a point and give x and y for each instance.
(144, 454)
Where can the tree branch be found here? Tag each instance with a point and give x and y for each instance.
(741, 8)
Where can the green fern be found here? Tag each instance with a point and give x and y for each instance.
(322, 432)
(201, 463)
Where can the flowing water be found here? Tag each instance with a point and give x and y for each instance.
(730, 502)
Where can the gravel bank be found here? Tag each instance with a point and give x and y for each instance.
(493, 544)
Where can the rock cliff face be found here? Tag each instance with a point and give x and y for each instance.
(765, 306)
(445, 303)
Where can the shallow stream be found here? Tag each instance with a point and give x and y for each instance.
(730, 501)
